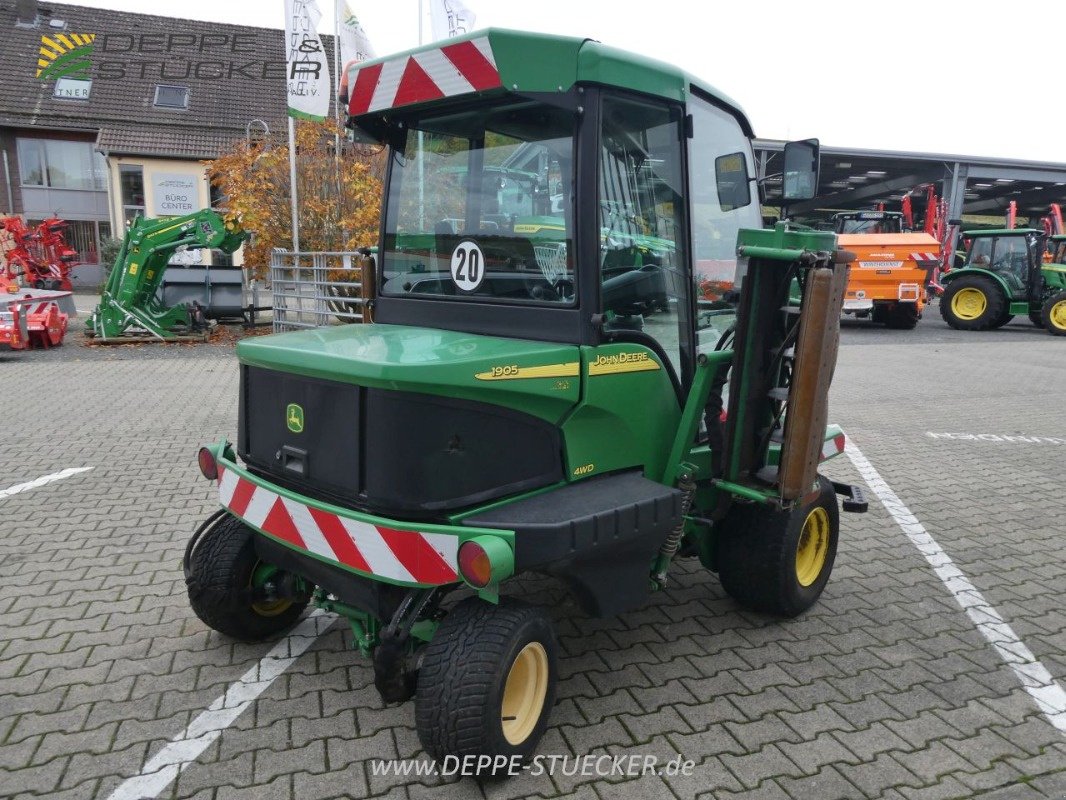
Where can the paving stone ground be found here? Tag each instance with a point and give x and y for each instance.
(884, 690)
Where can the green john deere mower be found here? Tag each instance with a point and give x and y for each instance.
(1004, 275)
(539, 391)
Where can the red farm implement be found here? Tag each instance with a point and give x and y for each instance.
(40, 256)
(27, 322)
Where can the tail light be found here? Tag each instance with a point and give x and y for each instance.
(485, 560)
(208, 465)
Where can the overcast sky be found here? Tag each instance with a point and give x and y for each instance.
(937, 76)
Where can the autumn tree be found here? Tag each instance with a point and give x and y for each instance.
(339, 200)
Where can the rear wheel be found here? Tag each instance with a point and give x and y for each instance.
(487, 679)
(903, 317)
(234, 592)
(778, 562)
(973, 303)
(1053, 314)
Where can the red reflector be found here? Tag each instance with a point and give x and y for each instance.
(208, 466)
(474, 564)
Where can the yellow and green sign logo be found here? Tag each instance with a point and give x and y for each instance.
(294, 418)
(65, 55)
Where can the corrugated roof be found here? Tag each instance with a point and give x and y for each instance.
(122, 109)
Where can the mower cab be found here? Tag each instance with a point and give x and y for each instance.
(541, 390)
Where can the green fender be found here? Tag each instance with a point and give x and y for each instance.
(955, 274)
(1054, 276)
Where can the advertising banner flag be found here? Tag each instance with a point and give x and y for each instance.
(355, 44)
(451, 18)
(307, 71)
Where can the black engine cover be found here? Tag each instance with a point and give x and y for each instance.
(399, 453)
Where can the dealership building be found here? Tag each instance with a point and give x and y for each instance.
(107, 115)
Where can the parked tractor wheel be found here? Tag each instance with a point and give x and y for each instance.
(1053, 314)
(903, 317)
(1036, 318)
(226, 582)
(778, 562)
(487, 681)
(1004, 318)
(973, 303)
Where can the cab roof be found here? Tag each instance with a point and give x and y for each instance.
(495, 61)
(1002, 232)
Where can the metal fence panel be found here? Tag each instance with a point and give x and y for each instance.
(314, 289)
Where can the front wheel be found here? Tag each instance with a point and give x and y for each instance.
(778, 562)
(1053, 314)
(234, 592)
(973, 303)
(487, 679)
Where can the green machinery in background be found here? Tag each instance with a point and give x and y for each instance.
(130, 306)
(1005, 275)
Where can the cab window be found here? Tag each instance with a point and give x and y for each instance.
(642, 240)
(716, 138)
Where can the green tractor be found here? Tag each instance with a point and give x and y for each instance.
(538, 392)
(1005, 274)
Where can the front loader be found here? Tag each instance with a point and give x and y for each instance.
(537, 393)
(131, 307)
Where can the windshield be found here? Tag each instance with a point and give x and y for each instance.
(888, 224)
(480, 207)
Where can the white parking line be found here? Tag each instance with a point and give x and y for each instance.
(42, 481)
(163, 769)
(1034, 676)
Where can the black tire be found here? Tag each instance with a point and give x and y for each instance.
(1037, 318)
(760, 562)
(1004, 319)
(904, 317)
(879, 314)
(219, 584)
(459, 702)
(1053, 314)
(995, 303)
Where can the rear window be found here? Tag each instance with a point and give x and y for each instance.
(480, 207)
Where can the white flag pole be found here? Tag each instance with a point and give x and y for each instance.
(421, 163)
(292, 185)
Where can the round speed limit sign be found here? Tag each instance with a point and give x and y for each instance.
(468, 265)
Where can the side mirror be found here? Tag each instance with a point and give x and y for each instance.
(802, 160)
(734, 184)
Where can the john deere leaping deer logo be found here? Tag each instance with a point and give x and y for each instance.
(65, 55)
(294, 418)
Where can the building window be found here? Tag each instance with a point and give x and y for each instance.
(171, 96)
(59, 164)
(131, 179)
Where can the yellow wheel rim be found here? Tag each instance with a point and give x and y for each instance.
(271, 608)
(524, 693)
(969, 304)
(813, 547)
(1057, 316)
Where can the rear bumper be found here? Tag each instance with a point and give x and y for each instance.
(392, 551)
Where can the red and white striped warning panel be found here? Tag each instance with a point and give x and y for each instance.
(924, 257)
(406, 556)
(454, 69)
(833, 447)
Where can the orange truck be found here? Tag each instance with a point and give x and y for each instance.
(892, 266)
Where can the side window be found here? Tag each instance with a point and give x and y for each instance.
(717, 140)
(642, 206)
